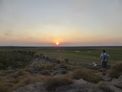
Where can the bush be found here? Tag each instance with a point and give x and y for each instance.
(116, 70)
(87, 75)
(52, 83)
(5, 87)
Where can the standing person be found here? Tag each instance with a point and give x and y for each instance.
(104, 61)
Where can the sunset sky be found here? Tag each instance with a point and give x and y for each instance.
(66, 22)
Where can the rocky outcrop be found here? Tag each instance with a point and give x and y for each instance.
(117, 82)
(77, 86)
(45, 66)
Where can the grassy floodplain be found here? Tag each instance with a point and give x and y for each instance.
(21, 56)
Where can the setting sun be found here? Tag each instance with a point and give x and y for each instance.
(57, 43)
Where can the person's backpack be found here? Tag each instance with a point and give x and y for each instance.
(105, 57)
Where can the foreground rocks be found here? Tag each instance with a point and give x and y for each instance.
(117, 82)
(45, 66)
(77, 86)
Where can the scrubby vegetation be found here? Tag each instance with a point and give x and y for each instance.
(52, 83)
(13, 59)
(87, 75)
(116, 70)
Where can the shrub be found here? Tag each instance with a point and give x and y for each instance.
(52, 83)
(29, 79)
(116, 70)
(87, 75)
(5, 87)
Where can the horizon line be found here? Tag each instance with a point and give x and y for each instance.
(65, 46)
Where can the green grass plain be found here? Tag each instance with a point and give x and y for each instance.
(83, 54)
(75, 55)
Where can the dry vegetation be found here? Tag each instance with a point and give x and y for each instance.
(87, 75)
(116, 70)
(52, 83)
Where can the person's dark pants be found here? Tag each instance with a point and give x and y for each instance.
(104, 64)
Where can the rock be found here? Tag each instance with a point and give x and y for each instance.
(59, 69)
(37, 87)
(108, 87)
(117, 82)
(106, 78)
(78, 86)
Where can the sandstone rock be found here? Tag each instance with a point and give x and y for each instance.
(37, 87)
(108, 87)
(78, 86)
(117, 82)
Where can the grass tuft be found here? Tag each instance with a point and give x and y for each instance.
(87, 75)
(52, 83)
